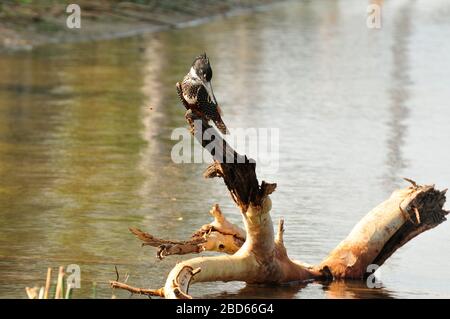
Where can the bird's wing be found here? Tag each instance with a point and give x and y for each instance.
(210, 110)
(180, 95)
(204, 103)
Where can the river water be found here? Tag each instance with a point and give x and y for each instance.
(85, 143)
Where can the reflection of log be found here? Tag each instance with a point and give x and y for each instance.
(353, 289)
(262, 258)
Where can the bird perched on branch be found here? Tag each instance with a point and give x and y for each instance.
(197, 94)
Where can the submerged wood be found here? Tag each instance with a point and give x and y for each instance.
(260, 256)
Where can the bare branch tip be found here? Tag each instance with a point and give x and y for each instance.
(196, 271)
(117, 273)
(416, 211)
(281, 225)
(280, 230)
(135, 231)
(413, 183)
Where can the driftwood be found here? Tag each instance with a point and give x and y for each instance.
(256, 255)
(219, 235)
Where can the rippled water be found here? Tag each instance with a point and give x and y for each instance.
(85, 143)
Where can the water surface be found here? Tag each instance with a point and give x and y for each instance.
(85, 143)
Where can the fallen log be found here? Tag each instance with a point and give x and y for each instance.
(258, 256)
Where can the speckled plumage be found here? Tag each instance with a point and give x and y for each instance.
(196, 96)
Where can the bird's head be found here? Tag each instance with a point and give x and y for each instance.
(201, 68)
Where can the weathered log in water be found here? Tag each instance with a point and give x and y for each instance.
(406, 214)
(263, 258)
(257, 256)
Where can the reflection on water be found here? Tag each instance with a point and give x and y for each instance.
(354, 289)
(287, 291)
(399, 93)
(85, 143)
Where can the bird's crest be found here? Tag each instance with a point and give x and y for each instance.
(202, 56)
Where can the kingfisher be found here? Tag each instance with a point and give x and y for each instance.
(197, 94)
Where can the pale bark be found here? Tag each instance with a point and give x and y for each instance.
(390, 225)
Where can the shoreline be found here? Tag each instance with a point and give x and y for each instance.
(17, 35)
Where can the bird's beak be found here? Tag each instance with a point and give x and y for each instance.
(209, 89)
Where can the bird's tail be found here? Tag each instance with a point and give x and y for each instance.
(221, 126)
